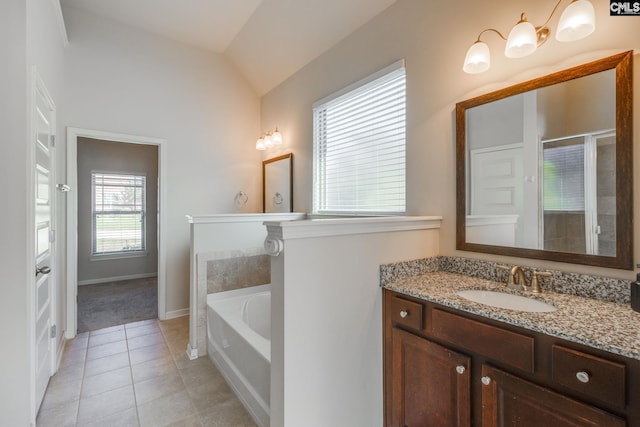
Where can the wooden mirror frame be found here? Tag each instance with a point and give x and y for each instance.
(264, 179)
(623, 64)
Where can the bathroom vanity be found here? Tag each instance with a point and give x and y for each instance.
(454, 362)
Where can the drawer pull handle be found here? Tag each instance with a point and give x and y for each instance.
(486, 380)
(460, 369)
(404, 313)
(582, 376)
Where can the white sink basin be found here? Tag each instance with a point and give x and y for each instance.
(504, 300)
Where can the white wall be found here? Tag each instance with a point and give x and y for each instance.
(29, 35)
(433, 37)
(122, 80)
(326, 339)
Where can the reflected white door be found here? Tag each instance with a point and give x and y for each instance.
(43, 129)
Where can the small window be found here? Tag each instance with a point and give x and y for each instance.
(118, 213)
(359, 147)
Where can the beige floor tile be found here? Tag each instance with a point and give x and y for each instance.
(59, 416)
(152, 352)
(199, 372)
(156, 387)
(106, 381)
(127, 418)
(105, 404)
(67, 374)
(149, 328)
(107, 330)
(145, 341)
(61, 394)
(166, 410)
(207, 395)
(80, 341)
(106, 364)
(192, 421)
(229, 413)
(153, 368)
(73, 357)
(135, 325)
(106, 350)
(95, 340)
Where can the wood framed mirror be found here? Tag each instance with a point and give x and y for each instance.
(277, 184)
(544, 168)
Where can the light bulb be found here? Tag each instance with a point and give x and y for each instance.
(576, 22)
(276, 137)
(478, 59)
(267, 141)
(260, 144)
(522, 40)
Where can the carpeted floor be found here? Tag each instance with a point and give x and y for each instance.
(116, 303)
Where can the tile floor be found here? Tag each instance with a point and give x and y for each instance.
(138, 375)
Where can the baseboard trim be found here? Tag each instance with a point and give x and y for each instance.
(116, 278)
(177, 313)
(192, 353)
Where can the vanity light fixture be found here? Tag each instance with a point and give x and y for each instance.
(268, 140)
(576, 22)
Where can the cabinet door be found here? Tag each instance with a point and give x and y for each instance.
(430, 383)
(511, 401)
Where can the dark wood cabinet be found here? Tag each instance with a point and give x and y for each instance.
(431, 384)
(445, 367)
(511, 401)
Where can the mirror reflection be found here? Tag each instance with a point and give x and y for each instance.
(545, 176)
(277, 185)
(544, 168)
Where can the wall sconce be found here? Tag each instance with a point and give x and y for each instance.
(269, 139)
(576, 22)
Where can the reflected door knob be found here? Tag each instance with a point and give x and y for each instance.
(43, 270)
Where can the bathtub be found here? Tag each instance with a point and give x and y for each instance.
(239, 344)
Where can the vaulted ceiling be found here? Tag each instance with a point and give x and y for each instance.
(267, 40)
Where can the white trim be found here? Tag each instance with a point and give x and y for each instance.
(234, 218)
(481, 220)
(116, 279)
(118, 255)
(60, 19)
(72, 215)
(192, 353)
(176, 313)
(348, 226)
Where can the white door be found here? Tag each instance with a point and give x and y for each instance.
(43, 130)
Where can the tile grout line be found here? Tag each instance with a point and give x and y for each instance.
(133, 385)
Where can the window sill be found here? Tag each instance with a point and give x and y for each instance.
(118, 255)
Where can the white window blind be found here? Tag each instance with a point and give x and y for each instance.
(118, 213)
(564, 175)
(359, 147)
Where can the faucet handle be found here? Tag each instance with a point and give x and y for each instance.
(535, 281)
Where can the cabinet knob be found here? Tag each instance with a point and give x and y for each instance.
(582, 376)
(404, 313)
(486, 380)
(460, 369)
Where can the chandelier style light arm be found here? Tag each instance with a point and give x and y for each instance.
(576, 22)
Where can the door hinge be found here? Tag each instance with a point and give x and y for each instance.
(52, 236)
(54, 331)
(52, 140)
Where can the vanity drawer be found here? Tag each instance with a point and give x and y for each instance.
(590, 375)
(407, 313)
(508, 347)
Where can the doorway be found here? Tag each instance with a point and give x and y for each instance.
(115, 227)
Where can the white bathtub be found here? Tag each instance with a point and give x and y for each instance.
(239, 344)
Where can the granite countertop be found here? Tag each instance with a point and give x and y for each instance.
(604, 325)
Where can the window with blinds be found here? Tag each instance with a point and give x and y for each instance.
(118, 213)
(359, 147)
(564, 175)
